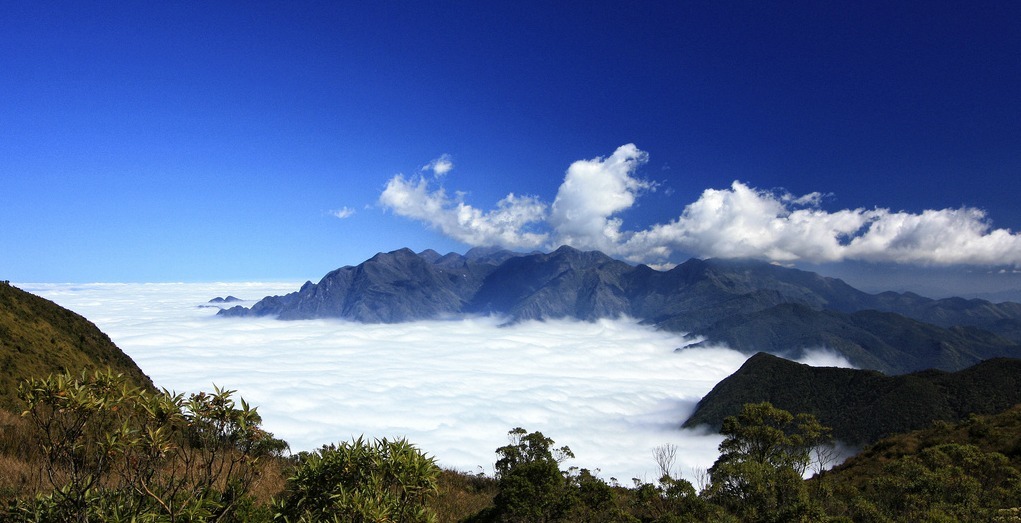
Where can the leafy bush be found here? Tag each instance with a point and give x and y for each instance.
(116, 452)
(361, 481)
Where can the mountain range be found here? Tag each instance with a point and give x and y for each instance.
(749, 305)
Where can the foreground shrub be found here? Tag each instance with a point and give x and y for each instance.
(361, 481)
(113, 452)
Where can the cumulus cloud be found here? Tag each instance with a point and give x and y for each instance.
(738, 221)
(343, 212)
(612, 390)
(506, 226)
(592, 194)
(746, 222)
(440, 166)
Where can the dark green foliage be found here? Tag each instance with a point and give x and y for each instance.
(967, 471)
(765, 451)
(671, 500)
(361, 482)
(948, 482)
(842, 398)
(532, 486)
(38, 338)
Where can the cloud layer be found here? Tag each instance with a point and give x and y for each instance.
(739, 221)
(611, 390)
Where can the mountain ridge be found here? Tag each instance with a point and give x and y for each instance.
(842, 398)
(700, 297)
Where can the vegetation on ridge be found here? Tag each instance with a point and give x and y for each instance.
(842, 398)
(109, 452)
(750, 305)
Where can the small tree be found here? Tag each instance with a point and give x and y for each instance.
(532, 486)
(763, 456)
(665, 455)
(81, 424)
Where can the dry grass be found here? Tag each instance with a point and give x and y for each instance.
(271, 481)
(20, 462)
(18, 478)
(461, 495)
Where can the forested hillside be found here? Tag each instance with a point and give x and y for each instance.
(862, 406)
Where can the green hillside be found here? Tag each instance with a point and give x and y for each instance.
(39, 337)
(862, 406)
(1000, 432)
(966, 471)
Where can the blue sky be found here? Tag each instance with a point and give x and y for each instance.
(187, 141)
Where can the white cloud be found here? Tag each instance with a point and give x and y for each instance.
(343, 212)
(739, 221)
(506, 226)
(824, 357)
(746, 222)
(440, 166)
(592, 193)
(611, 390)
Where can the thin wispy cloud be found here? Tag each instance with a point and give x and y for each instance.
(738, 221)
(343, 213)
(440, 166)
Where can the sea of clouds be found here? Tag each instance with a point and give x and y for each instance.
(612, 390)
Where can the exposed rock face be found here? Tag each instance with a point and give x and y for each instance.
(564, 283)
(752, 305)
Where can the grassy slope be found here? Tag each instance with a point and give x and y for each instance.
(38, 338)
